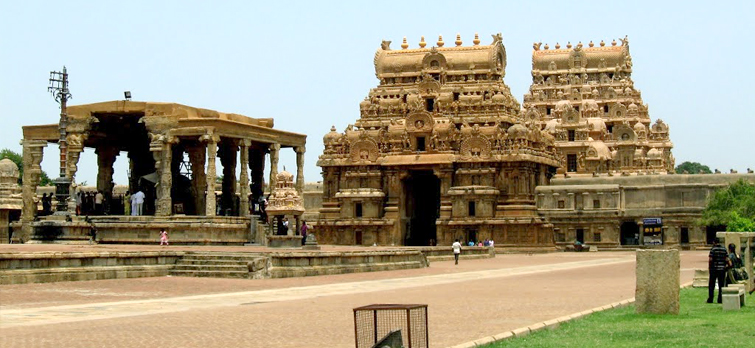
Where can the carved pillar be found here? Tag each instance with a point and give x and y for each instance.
(228, 151)
(75, 148)
(244, 178)
(198, 180)
(212, 153)
(274, 149)
(300, 169)
(33, 151)
(105, 160)
(162, 152)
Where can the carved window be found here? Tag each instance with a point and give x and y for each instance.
(580, 235)
(609, 128)
(561, 204)
(430, 104)
(605, 108)
(548, 111)
(358, 209)
(434, 64)
(475, 179)
(421, 144)
(571, 162)
(625, 136)
(596, 237)
(472, 208)
(596, 203)
(456, 96)
(572, 135)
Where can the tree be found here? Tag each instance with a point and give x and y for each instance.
(18, 160)
(733, 206)
(692, 168)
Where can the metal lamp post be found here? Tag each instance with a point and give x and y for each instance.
(59, 89)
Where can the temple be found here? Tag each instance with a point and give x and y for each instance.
(585, 98)
(172, 151)
(441, 151)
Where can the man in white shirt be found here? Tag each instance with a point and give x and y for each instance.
(137, 201)
(98, 203)
(457, 250)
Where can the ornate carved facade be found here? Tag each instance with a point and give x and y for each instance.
(440, 151)
(585, 98)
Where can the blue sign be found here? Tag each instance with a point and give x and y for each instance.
(651, 221)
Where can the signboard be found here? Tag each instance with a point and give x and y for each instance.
(652, 221)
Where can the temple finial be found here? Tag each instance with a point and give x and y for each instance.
(476, 40)
(613, 43)
(404, 45)
(591, 44)
(458, 40)
(422, 42)
(440, 41)
(558, 46)
(568, 44)
(602, 43)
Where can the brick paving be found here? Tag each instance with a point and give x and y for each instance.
(478, 298)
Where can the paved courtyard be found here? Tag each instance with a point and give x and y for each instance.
(475, 299)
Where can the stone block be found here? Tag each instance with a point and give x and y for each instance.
(701, 278)
(657, 289)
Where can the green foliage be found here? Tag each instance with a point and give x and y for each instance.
(19, 161)
(692, 168)
(733, 206)
(698, 324)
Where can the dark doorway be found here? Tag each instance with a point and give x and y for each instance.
(422, 193)
(581, 236)
(710, 232)
(630, 233)
(571, 163)
(684, 235)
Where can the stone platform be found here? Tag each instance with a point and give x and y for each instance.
(256, 263)
(115, 229)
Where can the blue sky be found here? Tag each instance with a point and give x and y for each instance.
(309, 64)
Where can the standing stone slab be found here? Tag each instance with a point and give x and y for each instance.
(657, 289)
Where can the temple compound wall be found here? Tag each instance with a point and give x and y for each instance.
(441, 151)
(585, 97)
(615, 211)
(172, 151)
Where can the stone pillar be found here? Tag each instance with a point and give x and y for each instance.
(228, 151)
(300, 170)
(105, 159)
(244, 178)
(33, 151)
(257, 164)
(274, 149)
(75, 148)
(198, 179)
(657, 290)
(212, 153)
(162, 152)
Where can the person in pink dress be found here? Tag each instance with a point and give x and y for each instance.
(163, 237)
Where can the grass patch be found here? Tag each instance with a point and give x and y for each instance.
(698, 324)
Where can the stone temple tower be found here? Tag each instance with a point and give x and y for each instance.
(440, 151)
(586, 99)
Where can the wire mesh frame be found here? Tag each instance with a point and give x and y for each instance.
(373, 322)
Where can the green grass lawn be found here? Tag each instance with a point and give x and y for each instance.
(698, 324)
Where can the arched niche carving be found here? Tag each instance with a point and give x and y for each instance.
(434, 60)
(475, 146)
(421, 121)
(364, 150)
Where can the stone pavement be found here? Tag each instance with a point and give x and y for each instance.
(478, 298)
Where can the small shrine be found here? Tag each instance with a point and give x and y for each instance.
(10, 198)
(284, 210)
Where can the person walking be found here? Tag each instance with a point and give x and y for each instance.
(457, 251)
(163, 237)
(137, 201)
(718, 260)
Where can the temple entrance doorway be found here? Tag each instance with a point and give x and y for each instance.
(630, 233)
(421, 207)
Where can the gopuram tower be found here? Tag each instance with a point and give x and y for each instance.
(585, 98)
(440, 151)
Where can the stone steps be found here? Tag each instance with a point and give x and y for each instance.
(289, 272)
(216, 265)
(210, 273)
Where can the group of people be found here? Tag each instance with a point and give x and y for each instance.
(724, 268)
(485, 243)
(90, 203)
(133, 204)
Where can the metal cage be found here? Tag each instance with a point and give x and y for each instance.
(373, 322)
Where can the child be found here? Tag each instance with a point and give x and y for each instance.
(163, 237)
